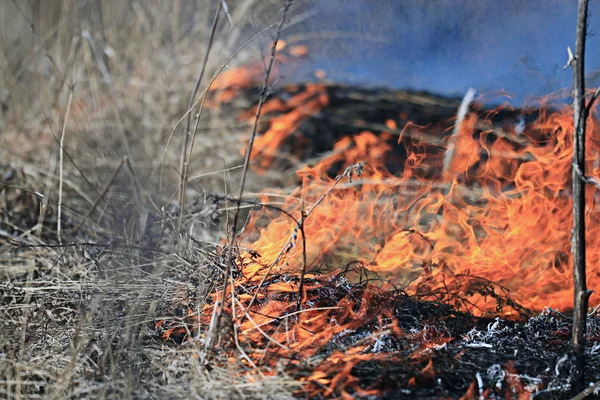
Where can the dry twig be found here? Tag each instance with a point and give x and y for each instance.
(60, 163)
(184, 164)
(263, 97)
(581, 293)
(290, 243)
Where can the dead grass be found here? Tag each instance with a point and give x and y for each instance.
(77, 310)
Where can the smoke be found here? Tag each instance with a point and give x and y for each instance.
(444, 46)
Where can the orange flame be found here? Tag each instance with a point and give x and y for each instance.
(502, 210)
(494, 220)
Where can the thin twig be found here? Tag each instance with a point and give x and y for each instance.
(39, 39)
(60, 164)
(57, 140)
(98, 57)
(588, 108)
(201, 99)
(262, 99)
(226, 10)
(303, 273)
(195, 177)
(184, 166)
(273, 319)
(590, 180)
(45, 198)
(104, 191)
(289, 244)
(243, 353)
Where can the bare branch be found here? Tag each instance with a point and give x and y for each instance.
(580, 110)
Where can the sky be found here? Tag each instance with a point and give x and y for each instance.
(445, 46)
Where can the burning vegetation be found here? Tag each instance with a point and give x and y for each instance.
(414, 246)
(417, 255)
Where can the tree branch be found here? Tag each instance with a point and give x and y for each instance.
(580, 112)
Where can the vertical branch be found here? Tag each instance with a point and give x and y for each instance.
(263, 97)
(578, 234)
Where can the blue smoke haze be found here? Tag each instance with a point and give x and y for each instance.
(445, 46)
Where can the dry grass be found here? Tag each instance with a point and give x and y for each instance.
(77, 308)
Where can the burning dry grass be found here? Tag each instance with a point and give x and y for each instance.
(119, 303)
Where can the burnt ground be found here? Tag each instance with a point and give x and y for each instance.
(405, 347)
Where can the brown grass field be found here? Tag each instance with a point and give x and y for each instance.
(125, 219)
(104, 80)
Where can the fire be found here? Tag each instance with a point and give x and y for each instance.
(487, 232)
(299, 107)
(501, 211)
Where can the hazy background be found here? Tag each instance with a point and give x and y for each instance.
(447, 46)
(438, 45)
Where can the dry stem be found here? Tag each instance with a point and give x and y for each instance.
(60, 164)
(262, 99)
(581, 294)
(184, 164)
